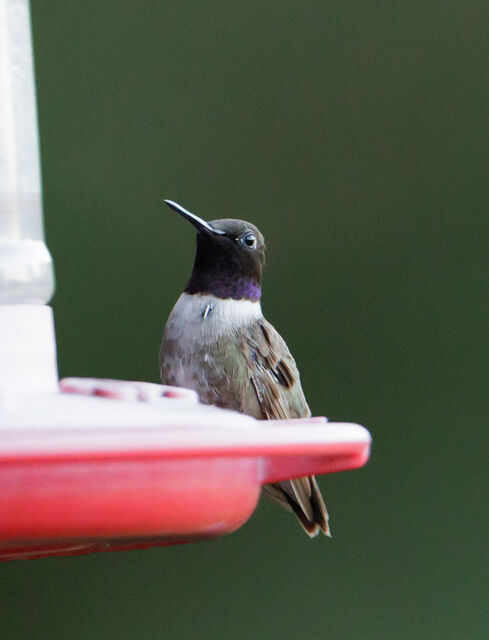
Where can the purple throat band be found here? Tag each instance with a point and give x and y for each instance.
(235, 288)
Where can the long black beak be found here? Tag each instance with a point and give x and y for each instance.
(199, 224)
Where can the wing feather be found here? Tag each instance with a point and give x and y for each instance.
(276, 383)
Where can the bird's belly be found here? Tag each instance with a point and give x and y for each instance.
(202, 350)
(210, 375)
(186, 370)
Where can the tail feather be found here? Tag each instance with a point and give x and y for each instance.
(303, 497)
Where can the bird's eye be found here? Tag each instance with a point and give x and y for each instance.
(249, 240)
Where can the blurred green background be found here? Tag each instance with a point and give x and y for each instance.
(355, 135)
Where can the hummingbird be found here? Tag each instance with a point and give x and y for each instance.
(217, 342)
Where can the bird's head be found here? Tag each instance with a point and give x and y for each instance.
(229, 259)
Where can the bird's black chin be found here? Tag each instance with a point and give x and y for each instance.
(223, 271)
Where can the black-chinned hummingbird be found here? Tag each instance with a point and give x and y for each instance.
(217, 342)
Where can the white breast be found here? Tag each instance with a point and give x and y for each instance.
(205, 318)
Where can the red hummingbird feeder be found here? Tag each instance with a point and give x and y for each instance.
(104, 465)
(92, 465)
